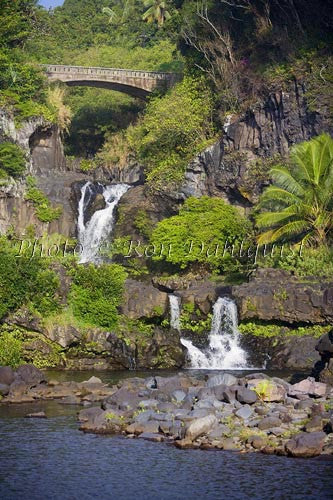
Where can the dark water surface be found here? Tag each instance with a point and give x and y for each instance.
(51, 459)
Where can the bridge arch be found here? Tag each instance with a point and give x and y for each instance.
(136, 83)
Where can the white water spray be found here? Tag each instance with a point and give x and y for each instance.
(224, 351)
(100, 226)
(174, 302)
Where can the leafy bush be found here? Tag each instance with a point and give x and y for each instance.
(44, 211)
(10, 350)
(312, 262)
(200, 233)
(25, 280)
(96, 293)
(12, 159)
(173, 129)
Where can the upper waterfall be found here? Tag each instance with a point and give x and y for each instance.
(100, 226)
(224, 351)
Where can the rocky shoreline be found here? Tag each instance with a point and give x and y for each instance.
(254, 413)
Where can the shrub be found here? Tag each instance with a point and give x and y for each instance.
(96, 293)
(12, 159)
(44, 210)
(10, 350)
(199, 234)
(312, 262)
(173, 129)
(25, 280)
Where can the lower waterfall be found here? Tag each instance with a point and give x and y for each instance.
(224, 351)
(100, 226)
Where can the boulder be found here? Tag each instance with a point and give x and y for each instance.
(7, 375)
(245, 412)
(246, 396)
(308, 387)
(224, 378)
(4, 389)
(274, 294)
(143, 300)
(30, 375)
(200, 426)
(306, 444)
(267, 390)
(269, 423)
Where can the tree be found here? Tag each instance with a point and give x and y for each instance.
(156, 11)
(299, 205)
(201, 234)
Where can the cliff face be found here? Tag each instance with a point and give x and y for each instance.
(236, 167)
(46, 162)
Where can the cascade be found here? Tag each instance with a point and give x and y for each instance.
(224, 351)
(174, 302)
(100, 226)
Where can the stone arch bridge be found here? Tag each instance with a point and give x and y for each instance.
(135, 83)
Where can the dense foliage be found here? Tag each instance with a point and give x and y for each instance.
(96, 294)
(299, 204)
(43, 208)
(12, 160)
(203, 233)
(25, 281)
(173, 129)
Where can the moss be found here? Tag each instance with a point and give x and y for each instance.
(268, 330)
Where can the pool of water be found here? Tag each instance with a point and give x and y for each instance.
(51, 459)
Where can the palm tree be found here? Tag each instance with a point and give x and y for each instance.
(156, 11)
(109, 12)
(299, 204)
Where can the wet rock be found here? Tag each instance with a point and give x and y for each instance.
(150, 436)
(200, 426)
(306, 444)
(246, 396)
(89, 414)
(39, 414)
(30, 375)
(229, 444)
(93, 380)
(7, 375)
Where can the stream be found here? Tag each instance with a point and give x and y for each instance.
(51, 459)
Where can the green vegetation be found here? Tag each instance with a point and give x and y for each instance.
(263, 329)
(309, 262)
(10, 350)
(300, 203)
(191, 320)
(44, 210)
(96, 293)
(200, 234)
(173, 129)
(25, 281)
(12, 160)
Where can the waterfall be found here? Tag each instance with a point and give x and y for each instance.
(224, 351)
(100, 226)
(174, 302)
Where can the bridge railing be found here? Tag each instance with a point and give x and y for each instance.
(112, 72)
